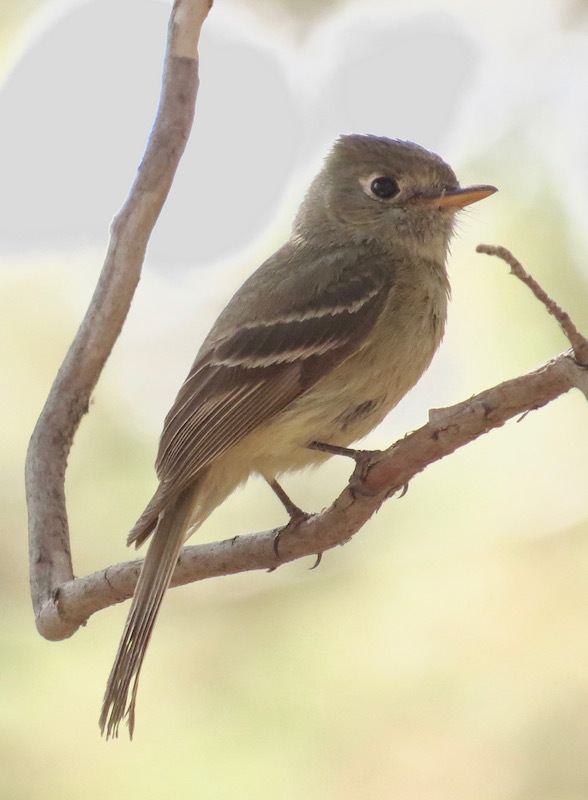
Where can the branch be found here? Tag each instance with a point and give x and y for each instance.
(386, 475)
(49, 547)
(578, 342)
(62, 603)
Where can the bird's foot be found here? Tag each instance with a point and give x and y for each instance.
(296, 514)
(363, 461)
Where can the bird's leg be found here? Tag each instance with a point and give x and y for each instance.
(363, 460)
(361, 457)
(297, 515)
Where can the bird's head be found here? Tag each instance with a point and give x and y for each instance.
(375, 188)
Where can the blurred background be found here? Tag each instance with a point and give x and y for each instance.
(439, 655)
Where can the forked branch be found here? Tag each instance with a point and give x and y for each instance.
(61, 602)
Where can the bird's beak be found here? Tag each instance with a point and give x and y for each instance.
(457, 198)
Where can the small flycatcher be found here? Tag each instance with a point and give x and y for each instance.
(317, 345)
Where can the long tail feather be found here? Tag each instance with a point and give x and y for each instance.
(155, 577)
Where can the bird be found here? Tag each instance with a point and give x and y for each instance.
(317, 346)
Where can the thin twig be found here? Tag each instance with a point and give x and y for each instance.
(579, 343)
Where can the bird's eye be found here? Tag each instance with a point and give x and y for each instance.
(384, 187)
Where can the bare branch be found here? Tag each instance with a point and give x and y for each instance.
(579, 343)
(49, 546)
(389, 472)
(62, 603)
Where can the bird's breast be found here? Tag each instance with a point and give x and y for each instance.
(354, 398)
(357, 395)
(396, 354)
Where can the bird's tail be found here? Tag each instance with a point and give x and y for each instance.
(158, 567)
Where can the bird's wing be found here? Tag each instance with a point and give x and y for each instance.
(259, 367)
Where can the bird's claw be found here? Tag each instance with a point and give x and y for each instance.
(403, 490)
